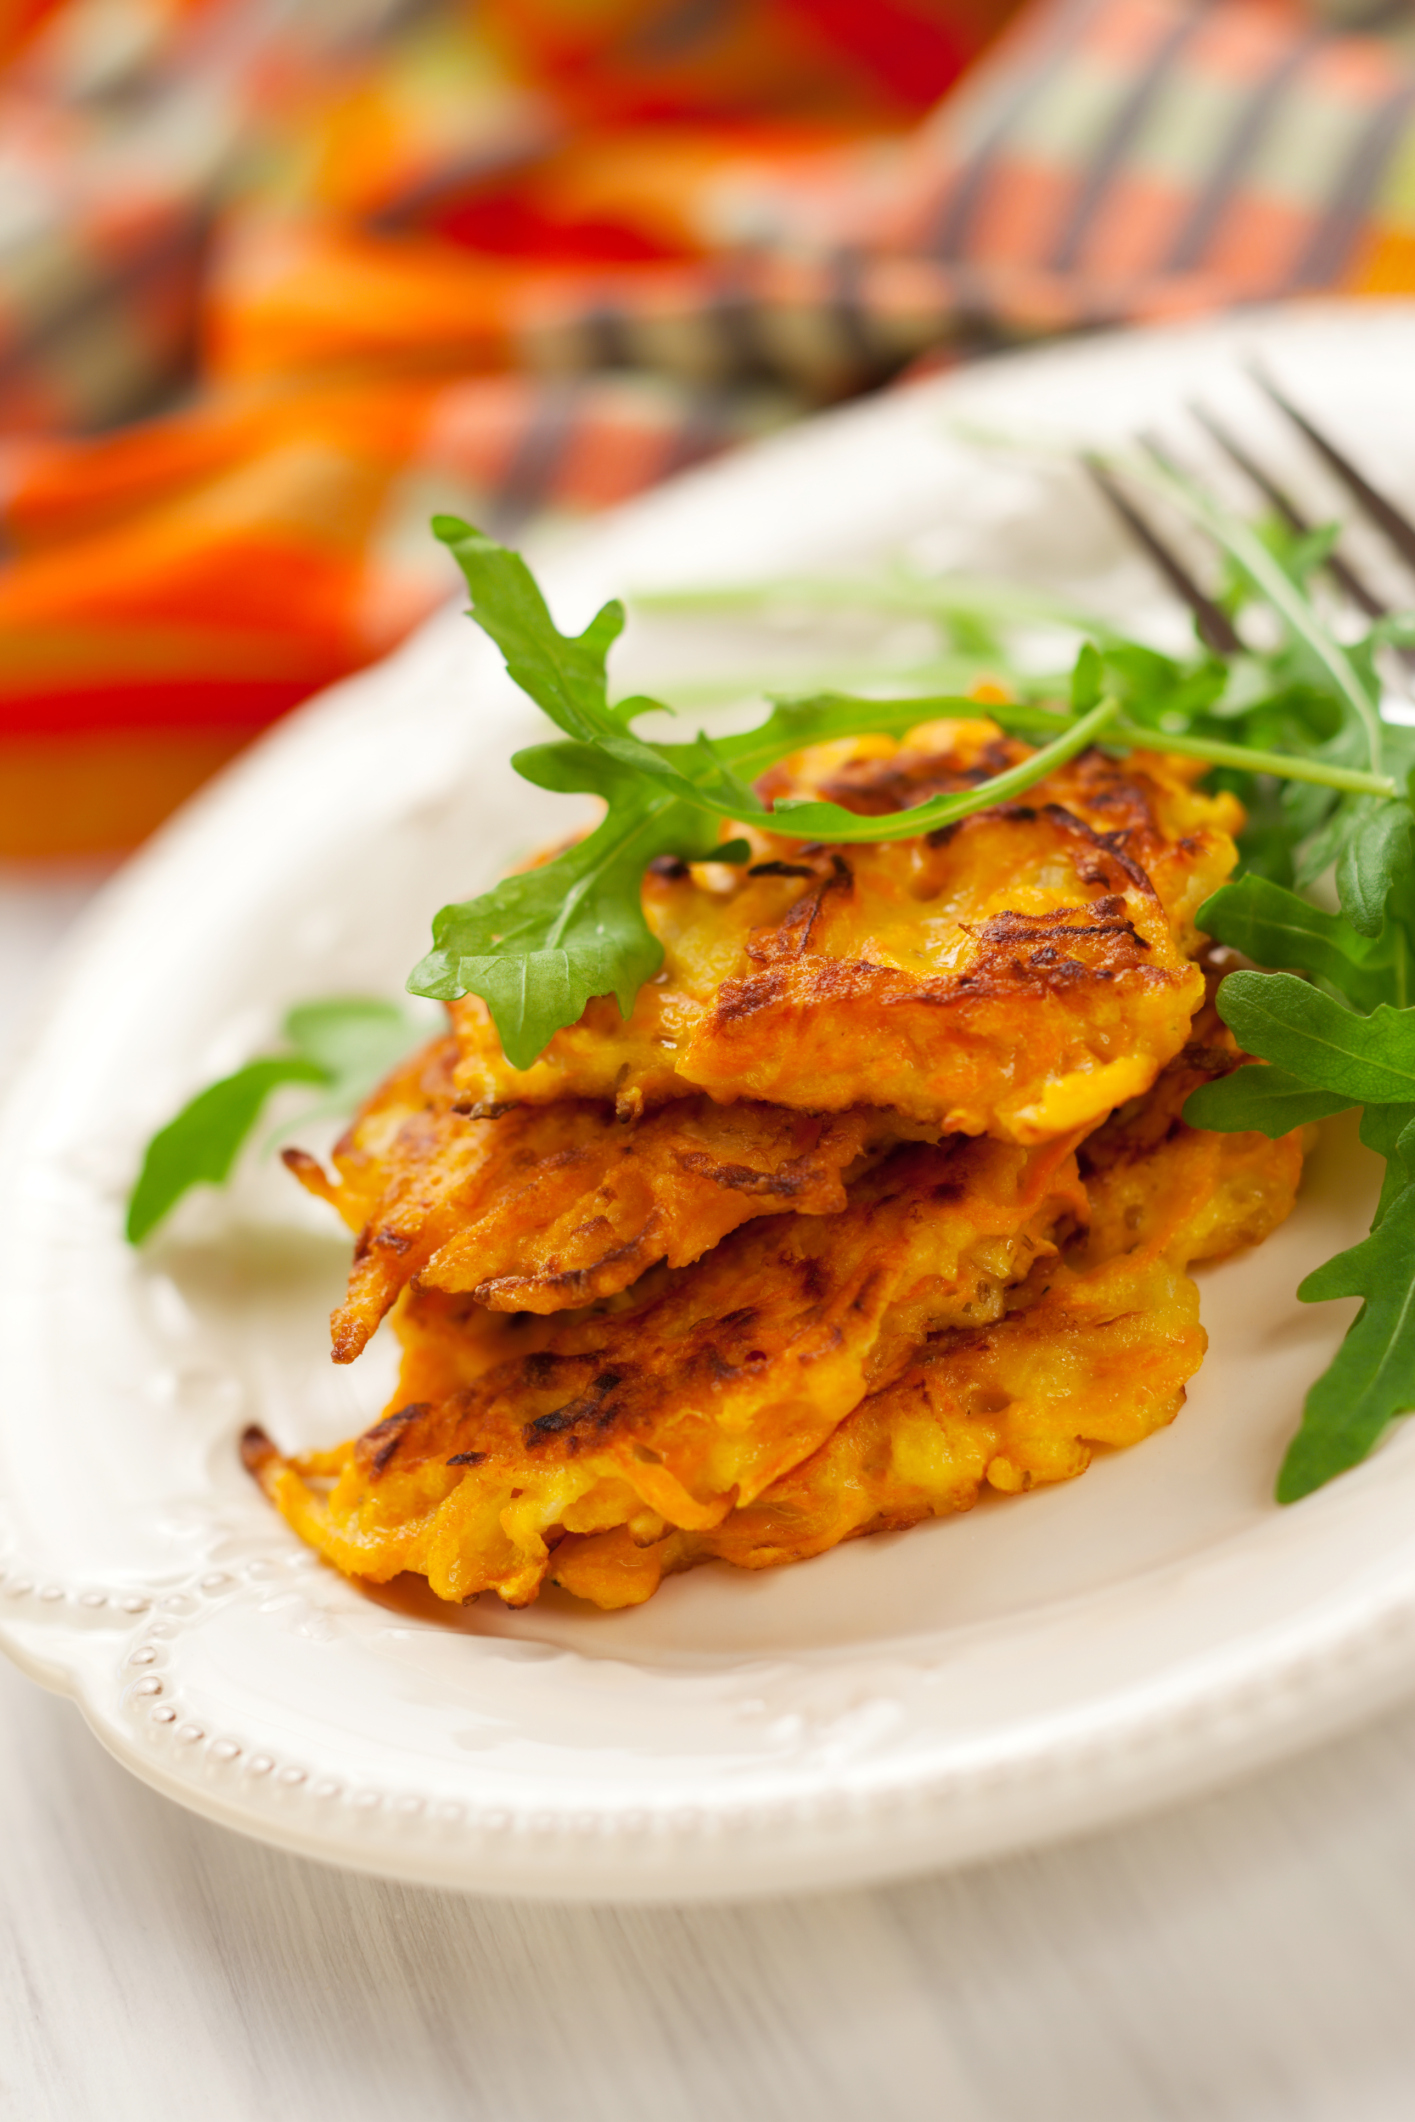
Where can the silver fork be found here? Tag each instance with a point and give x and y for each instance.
(1212, 622)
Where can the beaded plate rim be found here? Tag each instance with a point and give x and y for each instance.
(108, 1644)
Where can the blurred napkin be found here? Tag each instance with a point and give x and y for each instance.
(278, 278)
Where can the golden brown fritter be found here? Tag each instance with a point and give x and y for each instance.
(1096, 1349)
(1104, 1358)
(689, 1394)
(687, 1290)
(1017, 974)
(614, 1446)
(543, 1208)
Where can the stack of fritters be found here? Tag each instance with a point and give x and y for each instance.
(879, 1194)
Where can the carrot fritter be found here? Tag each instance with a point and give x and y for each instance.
(543, 1208)
(680, 1399)
(703, 1284)
(1017, 974)
(976, 1317)
(1096, 1349)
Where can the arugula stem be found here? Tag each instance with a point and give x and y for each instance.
(892, 715)
(939, 597)
(802, 819)
(1248, 759)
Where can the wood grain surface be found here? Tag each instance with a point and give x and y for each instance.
(1247, 1959)
(1250, 1959)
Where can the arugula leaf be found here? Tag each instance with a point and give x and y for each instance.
(1268, 1100)
(1087, 679)
(1265, 839)
(1370, 1060)
(1372, 1379)
(544, 942)
(201, 1144)
(1327, 831)
(1390, 1131)
(563, 673)
(1275, 927)
(355, 1039)
(541, 944)
(538, 947)
(344, 1045)
(1379, 854)
(567, 674)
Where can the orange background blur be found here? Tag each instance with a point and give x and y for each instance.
(279, 280)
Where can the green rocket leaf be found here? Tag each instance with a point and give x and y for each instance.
(1268, 1100)
(1389, 1130)
(1276, 928)
(1368, 1060)
(543, 943)
(539, 946)
(202, 1143)
(567, 674)
(1372, 1379)
(343, 1045)
(1377, 856)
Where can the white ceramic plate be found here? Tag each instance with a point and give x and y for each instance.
(1047, 1663)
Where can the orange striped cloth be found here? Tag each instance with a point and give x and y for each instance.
(290, 277)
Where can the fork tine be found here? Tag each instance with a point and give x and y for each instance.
(1397, 527)
(1216, 629)
(1341, 572)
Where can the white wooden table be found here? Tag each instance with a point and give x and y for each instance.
(1247, 1959)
